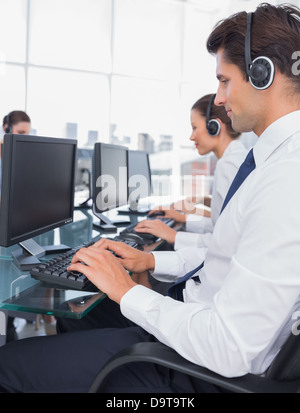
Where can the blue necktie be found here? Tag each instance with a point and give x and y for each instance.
(245, 169)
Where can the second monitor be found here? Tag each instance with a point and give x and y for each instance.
(121, 177)
(109, 182)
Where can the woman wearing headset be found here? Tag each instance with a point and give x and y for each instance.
(17, 122)
(211, 132)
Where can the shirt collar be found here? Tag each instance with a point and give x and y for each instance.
(234, 145)
(275, 135)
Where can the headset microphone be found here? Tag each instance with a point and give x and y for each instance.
(213, 126)
(261, 70)
(8, 128)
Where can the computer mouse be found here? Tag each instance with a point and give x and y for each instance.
(133, 237)
(156, 214)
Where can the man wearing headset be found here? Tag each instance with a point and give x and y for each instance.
(237, 317)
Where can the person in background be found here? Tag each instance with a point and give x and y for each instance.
(224, 143)
(16, 122)
(191, 245)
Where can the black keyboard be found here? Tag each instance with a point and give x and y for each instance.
(54, 272)
(148, 238)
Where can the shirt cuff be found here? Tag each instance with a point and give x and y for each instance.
(166, 264)
(198, 223)
(186, 239)
(135, 302)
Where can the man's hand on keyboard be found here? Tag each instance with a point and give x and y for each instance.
(170, 213)
(103, 270)
(132, 259)
(186, 205)
(157, 228)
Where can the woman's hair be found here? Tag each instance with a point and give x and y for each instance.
(275, 33)
(216, 112)
(15, 117)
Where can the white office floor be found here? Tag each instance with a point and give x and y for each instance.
(31, 329)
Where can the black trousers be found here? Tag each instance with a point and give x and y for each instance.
(69, 361)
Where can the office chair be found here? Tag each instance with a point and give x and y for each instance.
(283, 375)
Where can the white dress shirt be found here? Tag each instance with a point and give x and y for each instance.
(198, 228)
(236, 320)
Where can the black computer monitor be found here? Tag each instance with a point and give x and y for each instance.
(139, 182)
(83, 178)
(37, 192)
(109, 182)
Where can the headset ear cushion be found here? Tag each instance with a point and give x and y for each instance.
(213, 127)
(262, 73)
(259, 72)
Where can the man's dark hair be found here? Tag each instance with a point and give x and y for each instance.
(275, 33)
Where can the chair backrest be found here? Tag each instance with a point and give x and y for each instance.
(286, 365)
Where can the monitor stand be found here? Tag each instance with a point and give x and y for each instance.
(84, 205)
(28, 255)
(106, 224)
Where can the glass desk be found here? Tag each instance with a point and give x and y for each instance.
(20, 292)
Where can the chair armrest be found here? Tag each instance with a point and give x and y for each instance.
(160, 354)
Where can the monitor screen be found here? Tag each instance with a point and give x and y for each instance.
(109, 176)
(139, 176)
(37, 186)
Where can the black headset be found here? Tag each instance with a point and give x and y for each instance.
(8, 128)
(213, 126)
(261, 70)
